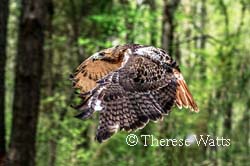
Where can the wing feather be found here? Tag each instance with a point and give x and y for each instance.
(130, 93)
(90, 71)
(139, 91)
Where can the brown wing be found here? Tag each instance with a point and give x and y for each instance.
(184, 97)
(142, 89)
(131, 96)
(90, 71)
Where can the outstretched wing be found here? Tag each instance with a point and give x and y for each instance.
(128, 98)
(90, 71)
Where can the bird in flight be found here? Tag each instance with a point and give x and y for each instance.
(129, 85)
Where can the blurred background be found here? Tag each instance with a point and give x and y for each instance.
(210, 40)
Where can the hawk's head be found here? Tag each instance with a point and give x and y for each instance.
(113, 55)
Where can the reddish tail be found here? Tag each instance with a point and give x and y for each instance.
(183, 96)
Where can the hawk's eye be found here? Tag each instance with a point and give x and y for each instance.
(101, 54)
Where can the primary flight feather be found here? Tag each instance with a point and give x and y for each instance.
(129, 85)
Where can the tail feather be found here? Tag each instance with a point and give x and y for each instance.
(184, 97)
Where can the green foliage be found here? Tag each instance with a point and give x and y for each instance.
(217, 74)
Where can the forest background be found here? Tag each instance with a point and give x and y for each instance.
(42, 42)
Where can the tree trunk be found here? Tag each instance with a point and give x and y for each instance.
(228, 118)
(129, 22)
(28, 72)
(153, 25)
(246, 121)
(48, 79)
(202, 41)
(168, 25)
(4, 12)
(76, 29)
(186, 24)
(203, 13)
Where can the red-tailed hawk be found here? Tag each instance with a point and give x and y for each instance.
(129, 85)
